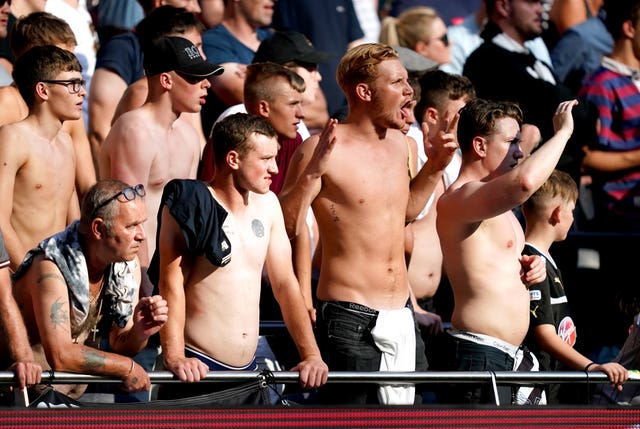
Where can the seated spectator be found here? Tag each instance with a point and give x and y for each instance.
(82, 284)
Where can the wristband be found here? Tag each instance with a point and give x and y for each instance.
(134, 364)
(587, 366)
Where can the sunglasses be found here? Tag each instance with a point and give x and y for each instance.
(129, 194)
(444, 39)
(73, 85)
(2, 2)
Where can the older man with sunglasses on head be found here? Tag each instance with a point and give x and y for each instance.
(82, 285)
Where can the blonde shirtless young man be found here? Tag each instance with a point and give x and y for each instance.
(482, 240)
(149, 145)
(37, 158)
(211, 275)
(356, 177)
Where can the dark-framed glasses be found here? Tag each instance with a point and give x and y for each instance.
(445, 39)
(2, 2)
(129, 194)
(73, 85)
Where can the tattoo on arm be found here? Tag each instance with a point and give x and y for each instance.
(58, 314)
(93, 360)
(51, 276)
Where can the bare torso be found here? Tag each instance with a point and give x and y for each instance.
(222, 316)
(140, 150)
(361, 212)
(482, 264)
(44, 182)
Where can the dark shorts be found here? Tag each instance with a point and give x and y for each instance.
(466, 355)
(346, 343)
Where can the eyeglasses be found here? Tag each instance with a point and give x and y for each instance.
(444, 39)
(129, 194)
(2, 2)
(73, 85)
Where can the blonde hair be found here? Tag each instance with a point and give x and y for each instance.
(559, 184)
(410, 27)
(359, 65)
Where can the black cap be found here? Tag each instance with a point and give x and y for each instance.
(286, 46)
(180, 55)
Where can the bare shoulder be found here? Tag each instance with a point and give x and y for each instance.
(129, 127)
(12, 106)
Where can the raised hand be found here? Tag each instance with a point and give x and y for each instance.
(441, 149)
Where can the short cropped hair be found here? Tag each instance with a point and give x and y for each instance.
(559, 184)
(359, 65)
(260, 79)
(41, 63)
(233, 132)
(39, 29)
(479, 116)
(437, 87)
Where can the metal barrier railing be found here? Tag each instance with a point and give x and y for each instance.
(491, 377)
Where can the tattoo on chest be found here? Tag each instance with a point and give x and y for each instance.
(257, 227)
(58, 314)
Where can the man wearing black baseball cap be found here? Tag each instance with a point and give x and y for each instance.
(149, 144)
(180, 55)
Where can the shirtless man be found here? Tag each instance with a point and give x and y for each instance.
(82, 284)
(149, 145)
(482, 240)
(39, 29)
(37, 178)
(212, 278)
(356, 177)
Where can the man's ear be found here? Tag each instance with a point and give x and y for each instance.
(42, 91)
(263, 108)
(431, 116)
(98, 228)
(479, 145)
(166, 80)
(233, 159)
(628, 29)
(363, 91)
(503, 7)
(555, 215)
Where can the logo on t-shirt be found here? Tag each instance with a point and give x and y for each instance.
(567, 331)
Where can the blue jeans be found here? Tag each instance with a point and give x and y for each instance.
(466, 355)
(344, 338)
